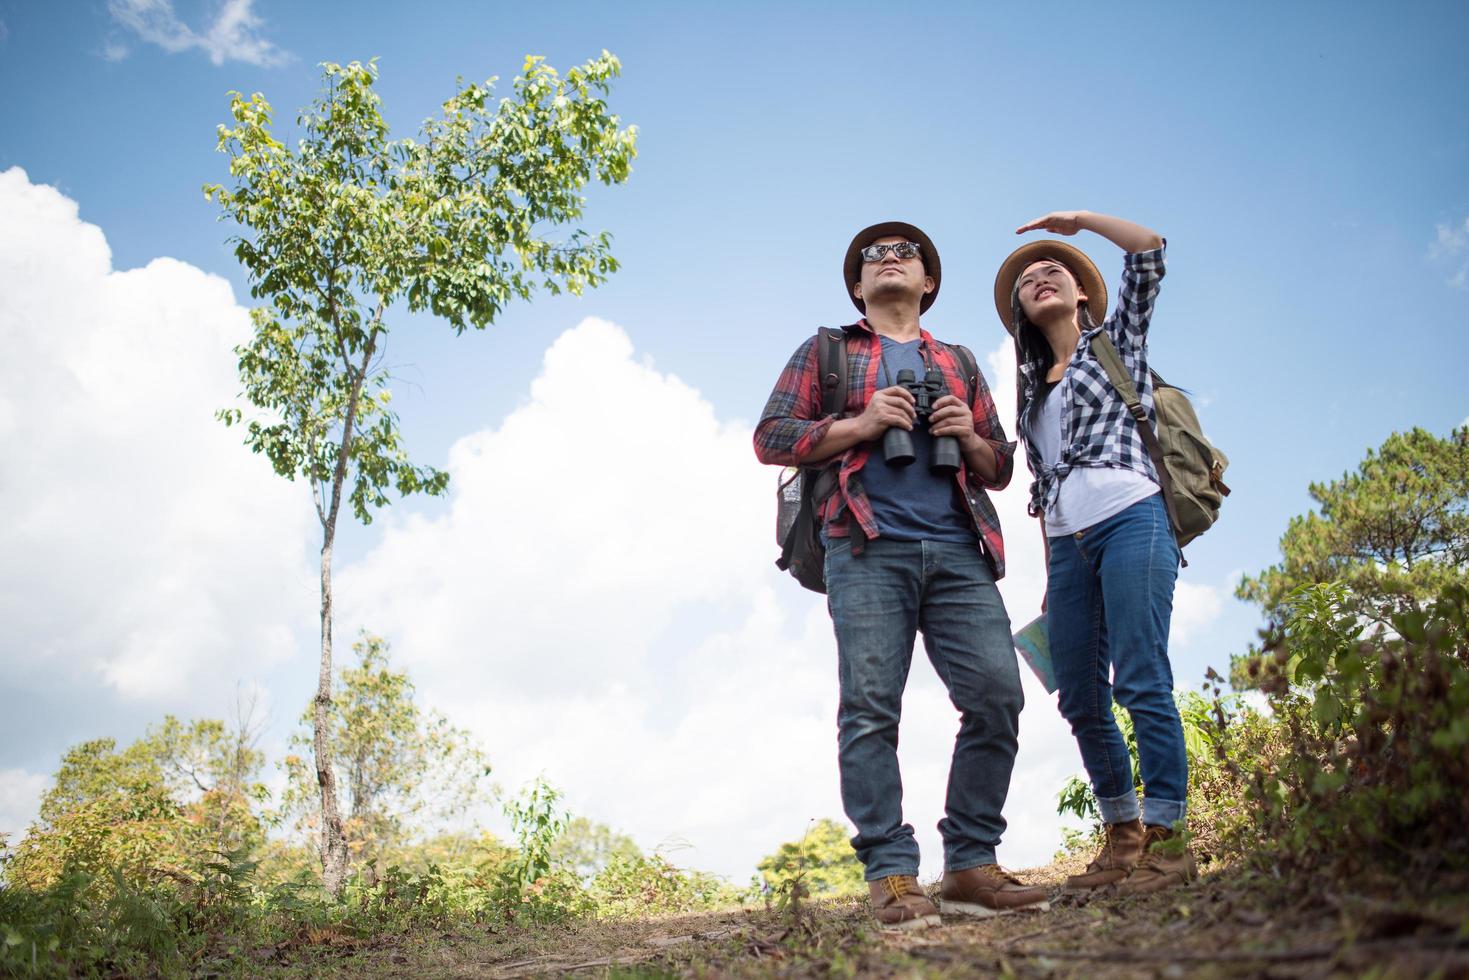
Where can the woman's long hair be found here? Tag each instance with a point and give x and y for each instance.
(1031, 346)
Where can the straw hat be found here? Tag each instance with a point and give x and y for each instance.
(852, 263)
(1068, 255)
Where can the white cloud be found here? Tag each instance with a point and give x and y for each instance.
(1448, 249)
(20, 797)
(232, 36)
(146, 549)
(1450, 240)
(599, 604)
(1195, 607)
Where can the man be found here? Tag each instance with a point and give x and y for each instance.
(908, 549)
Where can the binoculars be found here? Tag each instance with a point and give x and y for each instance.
(897, 444)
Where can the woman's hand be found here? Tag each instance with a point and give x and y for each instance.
(1126, 235)
(1057, 223)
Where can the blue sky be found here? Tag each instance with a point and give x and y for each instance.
(1309, 164)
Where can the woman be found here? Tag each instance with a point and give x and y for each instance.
(1111, 556)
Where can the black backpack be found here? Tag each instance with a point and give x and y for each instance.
(801, 491)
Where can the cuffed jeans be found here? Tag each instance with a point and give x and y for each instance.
(1109, 599)
(879, 600)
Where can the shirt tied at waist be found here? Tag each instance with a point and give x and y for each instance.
(1048, 482)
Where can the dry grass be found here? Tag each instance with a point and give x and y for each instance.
(1231, 923)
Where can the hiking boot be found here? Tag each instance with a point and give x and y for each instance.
(1122, 848)
(989, 890)
(1166, 863)
(898, 902)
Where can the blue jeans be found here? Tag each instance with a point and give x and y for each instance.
(1109, 598)
(879, 601)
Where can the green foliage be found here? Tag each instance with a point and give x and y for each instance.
(1366, 751)
(1395, 533)
(142, 835)
(1076, 796)
(401, 765)
(636, 885)
(539, 881)
(450, 850)
(112, 924)
(1363, 753)
(125, 880)
(350, 223)
(351, 226)
(587, 847)
(537, 822)
(529, 887)
(167, 806)
(822, 863)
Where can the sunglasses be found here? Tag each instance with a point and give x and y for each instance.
(903, 250)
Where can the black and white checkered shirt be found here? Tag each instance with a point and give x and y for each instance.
(1096, 428)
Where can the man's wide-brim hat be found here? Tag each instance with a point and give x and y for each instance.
(852, 264)
(1070, 256)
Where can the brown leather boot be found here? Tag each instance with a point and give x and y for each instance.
(989, 890)
(1122, 848)
(1166, 863)
(898, 902)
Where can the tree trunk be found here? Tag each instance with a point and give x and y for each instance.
(334, 856)
(333, 840)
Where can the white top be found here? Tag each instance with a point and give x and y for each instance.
(1088, 494)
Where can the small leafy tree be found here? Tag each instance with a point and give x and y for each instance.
(214, 768)
(349, 227)
(537, 819)
(1395, 533)
(587, 847)
(1361, 759)
(170, 804)
(529, 886)
(822, 861)
(401, 763)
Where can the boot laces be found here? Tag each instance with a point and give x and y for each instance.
(1153, 860)
(1104, 856)
(900, 886)
(1000, 874)
(1153, 857)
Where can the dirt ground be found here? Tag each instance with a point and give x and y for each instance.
(1230, 923)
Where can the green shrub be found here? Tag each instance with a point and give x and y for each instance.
(821, 862)
(631, 886)
(1365, 753)
(1195, 711)
(142, 835)
(117, 924)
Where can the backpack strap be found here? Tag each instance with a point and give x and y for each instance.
(968, 366)
(1111, 362)
(831, 364)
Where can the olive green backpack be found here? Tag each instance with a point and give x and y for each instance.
(1190, 468)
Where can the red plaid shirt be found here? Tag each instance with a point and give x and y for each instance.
(792, 425)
